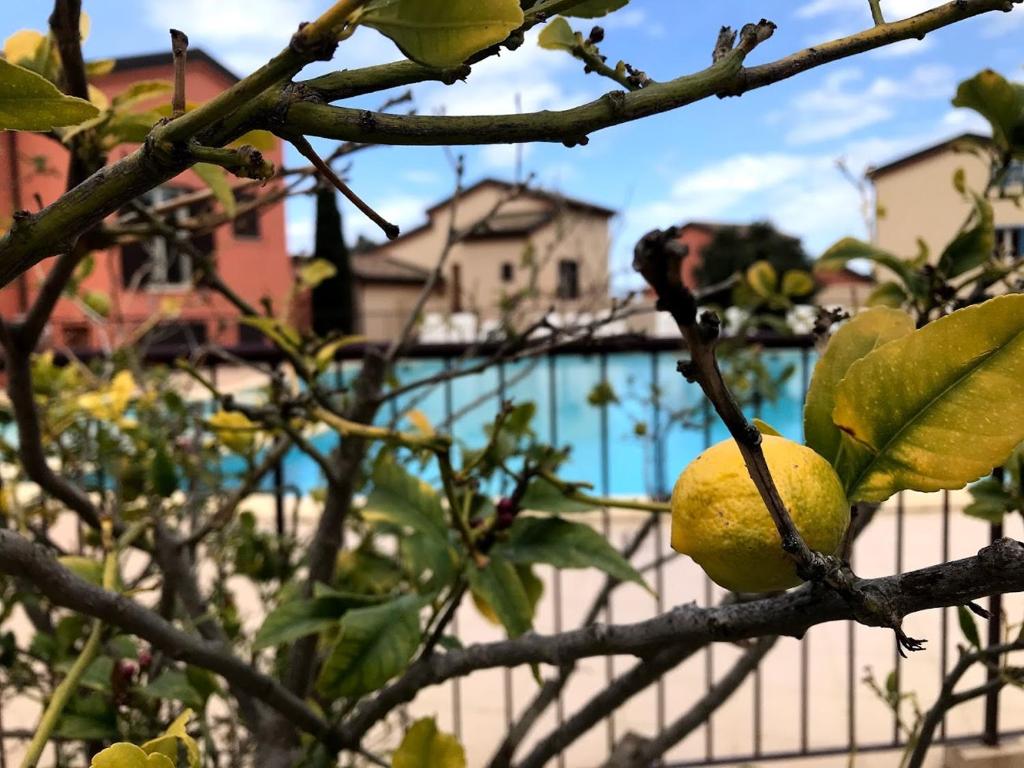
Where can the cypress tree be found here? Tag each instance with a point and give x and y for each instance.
(333, 300)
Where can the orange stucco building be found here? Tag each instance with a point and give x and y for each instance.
(142, 280)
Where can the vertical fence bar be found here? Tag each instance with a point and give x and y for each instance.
(449, 408)
(278, 480)
(897, 658)
(944, 630)
(659, 491)
(606, 525)
(556, 581)
(805, 643)
(709, 652)
(995, 607)
(509, 691)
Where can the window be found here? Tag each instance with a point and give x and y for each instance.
(568, 279)
(246, 224)
(1010, 241)
(163, 262)
(508, 272)
(1014, 176)
(76, 335)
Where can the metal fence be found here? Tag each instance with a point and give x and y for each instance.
(843, 704)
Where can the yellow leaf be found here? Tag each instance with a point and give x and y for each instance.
(22, 45)
(314, 272)
(234, 430)
(110, 403)
(424, 746)
(125, 755)
(166, 746)
(419, 420)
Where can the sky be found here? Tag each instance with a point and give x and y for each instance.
(770, 154)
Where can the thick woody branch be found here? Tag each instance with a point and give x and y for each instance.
(997, 568)
(21, 558)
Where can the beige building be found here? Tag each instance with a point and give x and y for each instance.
(550, 247)
(918, 199)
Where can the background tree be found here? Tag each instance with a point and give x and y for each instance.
(334, 300)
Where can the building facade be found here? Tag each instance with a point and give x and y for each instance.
(916, 199)
(148, 283)
(553, 248)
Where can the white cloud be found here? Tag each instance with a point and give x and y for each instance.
(892, 9)
(503, 157)
(966, 121)
(843, 103)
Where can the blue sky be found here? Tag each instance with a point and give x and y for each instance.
(768, 154)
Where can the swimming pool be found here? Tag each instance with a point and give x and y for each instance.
(605, 450)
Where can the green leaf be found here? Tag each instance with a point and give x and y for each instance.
(163, 473)
(293, 619)
(929, 410)
(972, 247)
(140, 91)
(967, 626)
(866, 332)
(564, 544)
(558, 35)
(888, 294)
(602, 394)
(281, 333)
(762, 278)
(30, 102)
(401, 499)
(990, 500)
(997, 100)
(174, 685)
(424, 746)
(84, 568)
(373, 645)
(797, 282)
(591, 9)
(443, 33)
(216, 178)
(850, 248)
(500, 587)
(765, 428)
(542, 496)
(315, 271)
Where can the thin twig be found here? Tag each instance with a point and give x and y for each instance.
(179, 52)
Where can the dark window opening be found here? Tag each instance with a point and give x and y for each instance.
(246, 224)
(568, 279)
(1009, 242)
(250, 336)
(176, 336)
(508, 272)
(76, 335)
(164, 262)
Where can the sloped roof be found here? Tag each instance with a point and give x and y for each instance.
(569, 202)
(510, 224)
(166, 59)
(379, 267)
(923, 154)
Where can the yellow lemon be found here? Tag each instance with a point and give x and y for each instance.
(719, 519)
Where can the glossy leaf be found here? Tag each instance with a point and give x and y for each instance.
(443, 33)
(796, 282)
(125, 755)
(173, 740)
(30, 102)
(315, 271)
(141, 91)
(401, 499)
(997, 100)
(373, 645)
(762, 278)
(929, 410)
(590, 9)
(863, 334)
(558, 35)
(968, 626)
(765, 428)
(542, 496)
(564, 544)
(293, 619)
(216, 178)
(501, 589)
(850, 248)
(424, 746)
(972, 247)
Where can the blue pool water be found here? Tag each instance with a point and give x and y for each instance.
(559, 387)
